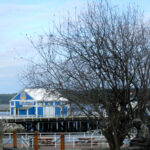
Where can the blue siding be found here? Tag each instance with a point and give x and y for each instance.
(27, 97)
(12, 111)
(17, 97)
(23, 112)
(51, 103)
(31, 111)
(12, 103)
(64, 109)
(57, 111)
(57, 103)
(40, 111)
(18, 105)
(46, 103)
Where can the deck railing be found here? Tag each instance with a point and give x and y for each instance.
(71, 140)
(38, 117)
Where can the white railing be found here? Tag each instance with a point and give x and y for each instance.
(37, 117)
(7, 138)
(25, 142)
(72, 140)
(79, 139)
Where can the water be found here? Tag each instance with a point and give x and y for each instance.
(4, 113)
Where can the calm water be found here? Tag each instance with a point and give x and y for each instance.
(4, 113)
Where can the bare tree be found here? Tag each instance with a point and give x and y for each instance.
(96, 60)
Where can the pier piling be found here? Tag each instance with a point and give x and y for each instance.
(62, 142)
(36, 140)
(15, 139)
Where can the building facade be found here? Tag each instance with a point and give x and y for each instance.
(39, 103)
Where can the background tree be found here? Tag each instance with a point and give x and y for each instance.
(96, 59)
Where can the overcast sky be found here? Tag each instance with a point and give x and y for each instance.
(19, 18)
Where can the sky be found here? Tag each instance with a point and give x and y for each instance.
(21, 19)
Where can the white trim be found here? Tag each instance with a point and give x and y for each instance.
(22, 100)
(27, 112)
(36, 109)
(10, 108)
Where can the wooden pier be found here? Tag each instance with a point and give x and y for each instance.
(56, 124)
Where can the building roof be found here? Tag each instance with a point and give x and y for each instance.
(41, 94)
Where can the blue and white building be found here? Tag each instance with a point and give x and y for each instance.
(39, 103)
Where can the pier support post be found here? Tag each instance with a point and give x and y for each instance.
(62, 142)
(15, 139)
(36, 140)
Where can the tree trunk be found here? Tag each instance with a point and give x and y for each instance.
(1, 141)
(116, 140)
(113, 142)
(114, 147)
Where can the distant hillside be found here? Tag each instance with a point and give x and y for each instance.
(4, 98)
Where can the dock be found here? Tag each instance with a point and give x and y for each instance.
(55, 124)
